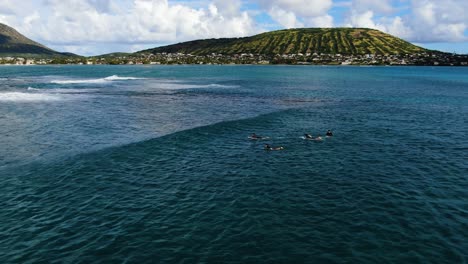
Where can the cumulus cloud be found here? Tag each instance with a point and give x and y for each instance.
(228, 8)
(320, 21)
(366, 13)
(432, 21)
(286, 18)
(424, 21)
(100, 26)
(299, 13)
(305, 8)
(72, 23)
(397, 27)
(380, 6)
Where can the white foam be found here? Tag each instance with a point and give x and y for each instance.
(58, 90)
(215, 85)
(117, 78)
(66, 91)
(78, 81)
(99, 80)
(179, 86)
(27, 97)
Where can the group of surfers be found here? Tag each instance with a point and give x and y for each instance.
(306, 136)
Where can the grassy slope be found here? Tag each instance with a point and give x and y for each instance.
(12, 43)
(293, 41)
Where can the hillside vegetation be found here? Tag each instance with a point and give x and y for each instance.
(349, 41)
(12, 43)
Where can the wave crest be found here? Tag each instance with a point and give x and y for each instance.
(27, 97)
(182, 86)
(99, 80)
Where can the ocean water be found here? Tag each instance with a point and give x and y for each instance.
(152, 164)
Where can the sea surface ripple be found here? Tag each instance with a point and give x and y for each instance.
(154, 164)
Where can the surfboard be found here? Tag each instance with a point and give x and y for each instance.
(258, 138)
(275, 149)
(312, 139)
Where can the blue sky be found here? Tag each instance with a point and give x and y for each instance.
(91, 27)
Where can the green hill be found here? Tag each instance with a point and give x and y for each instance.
(12, 43)
(292, 41)
(113, 55)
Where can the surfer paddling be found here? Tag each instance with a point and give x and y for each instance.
(268, 147)
(254, 136)
(310, 137)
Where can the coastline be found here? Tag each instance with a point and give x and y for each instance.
(419, 59)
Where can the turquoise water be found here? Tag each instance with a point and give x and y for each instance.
(153, 164)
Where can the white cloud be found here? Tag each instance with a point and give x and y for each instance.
(100, 26)
(362, 19)
(72, 23)
(103, 6)
(362, 13)
(426, 20)
(304, 8)
(285, 18)
(228, 8)
(434, 21)
(7, 7)
(299, 13)
(320, 21)
(378, 6)
(396, 26)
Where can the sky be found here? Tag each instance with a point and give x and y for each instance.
(93, 27)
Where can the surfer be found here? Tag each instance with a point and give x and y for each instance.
(257, 137)
(329, 133)
(310, 137)
(268, 147)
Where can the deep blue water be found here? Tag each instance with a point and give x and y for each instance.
(153, 164)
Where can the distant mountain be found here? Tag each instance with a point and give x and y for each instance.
(350, 41)
(113, 55)
(12, 43)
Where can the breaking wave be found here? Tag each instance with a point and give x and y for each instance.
(99, 80)
(179, 86)
(27, 97)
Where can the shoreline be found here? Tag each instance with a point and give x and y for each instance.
(259, 65)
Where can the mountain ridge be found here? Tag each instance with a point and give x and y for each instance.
(13, 43)
(302, 46)
(349, 41)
